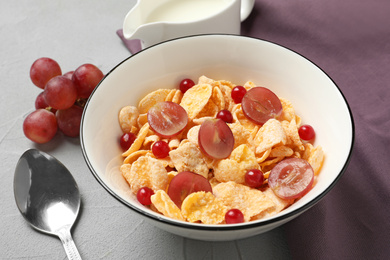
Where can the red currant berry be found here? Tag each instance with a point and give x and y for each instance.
(143, 196)
(254, 178)
(225, 115)
(160, 149)
(234, 216)
(127, 140)
(306, 132)
(238, 93)
(186, 84)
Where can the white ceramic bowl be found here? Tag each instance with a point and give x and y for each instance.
(238, 59)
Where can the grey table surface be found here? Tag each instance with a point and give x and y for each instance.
(76, 32)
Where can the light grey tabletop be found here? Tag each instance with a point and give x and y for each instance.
(76, 32)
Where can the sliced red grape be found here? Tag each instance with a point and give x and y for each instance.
(86, 77)
(167, 119)
(40, 126)
(260, 104)
(185, 183)
(60, 92)
(291, 178)
(215, 138)
(69, 120)
(42, 70)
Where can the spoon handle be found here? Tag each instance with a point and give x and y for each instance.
(69, 245)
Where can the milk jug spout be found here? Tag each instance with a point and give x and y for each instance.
(136, 26)
(154, 21)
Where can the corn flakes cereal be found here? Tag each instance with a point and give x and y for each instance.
(177, 97)
(199, 121)
(238, 116)
(288, 110)
(315, 156)
(205, 80)
(205, 207)
(163, 203)
(218, 98)
(249, 84)
(241, 135)
(128, 119)
(280, 204)
(151, 99)
(249, 201)
(142, 120)
(210, 109)
(145, 171)
(170, 95)
(136, 145)
(291, 130)
(234, 168)
(263, 156)
(195, 99)
(174, 143)
(281, 151)
(188, 157)
(256, 147)
(135, 155)
(271, 161)
(269, 135)
(192, 134)
(213, 181)
(227, 94)
(150, 140)
(226, 83)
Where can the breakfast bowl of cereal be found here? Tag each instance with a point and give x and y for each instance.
(217, 137)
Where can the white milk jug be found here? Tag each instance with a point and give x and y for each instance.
(154, 21)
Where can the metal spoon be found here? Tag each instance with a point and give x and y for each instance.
(47, 196)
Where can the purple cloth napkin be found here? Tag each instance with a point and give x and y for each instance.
(350, 41)
(133, 46)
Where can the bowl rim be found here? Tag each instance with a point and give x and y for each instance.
(209, 227)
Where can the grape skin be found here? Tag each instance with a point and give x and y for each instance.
(40, 126)
(86, 77)
(291, 178)
(260, 104)
(60, 93)
(185, 183)
(215, 138)
(69, 120)
(167, 119)
(42, 70)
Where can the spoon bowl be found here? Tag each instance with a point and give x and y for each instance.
(47, 196)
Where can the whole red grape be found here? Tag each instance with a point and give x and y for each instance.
(42, 70)
(40, 126)
(86, 77)
(69, 120)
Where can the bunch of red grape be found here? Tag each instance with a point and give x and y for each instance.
(60, 105)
